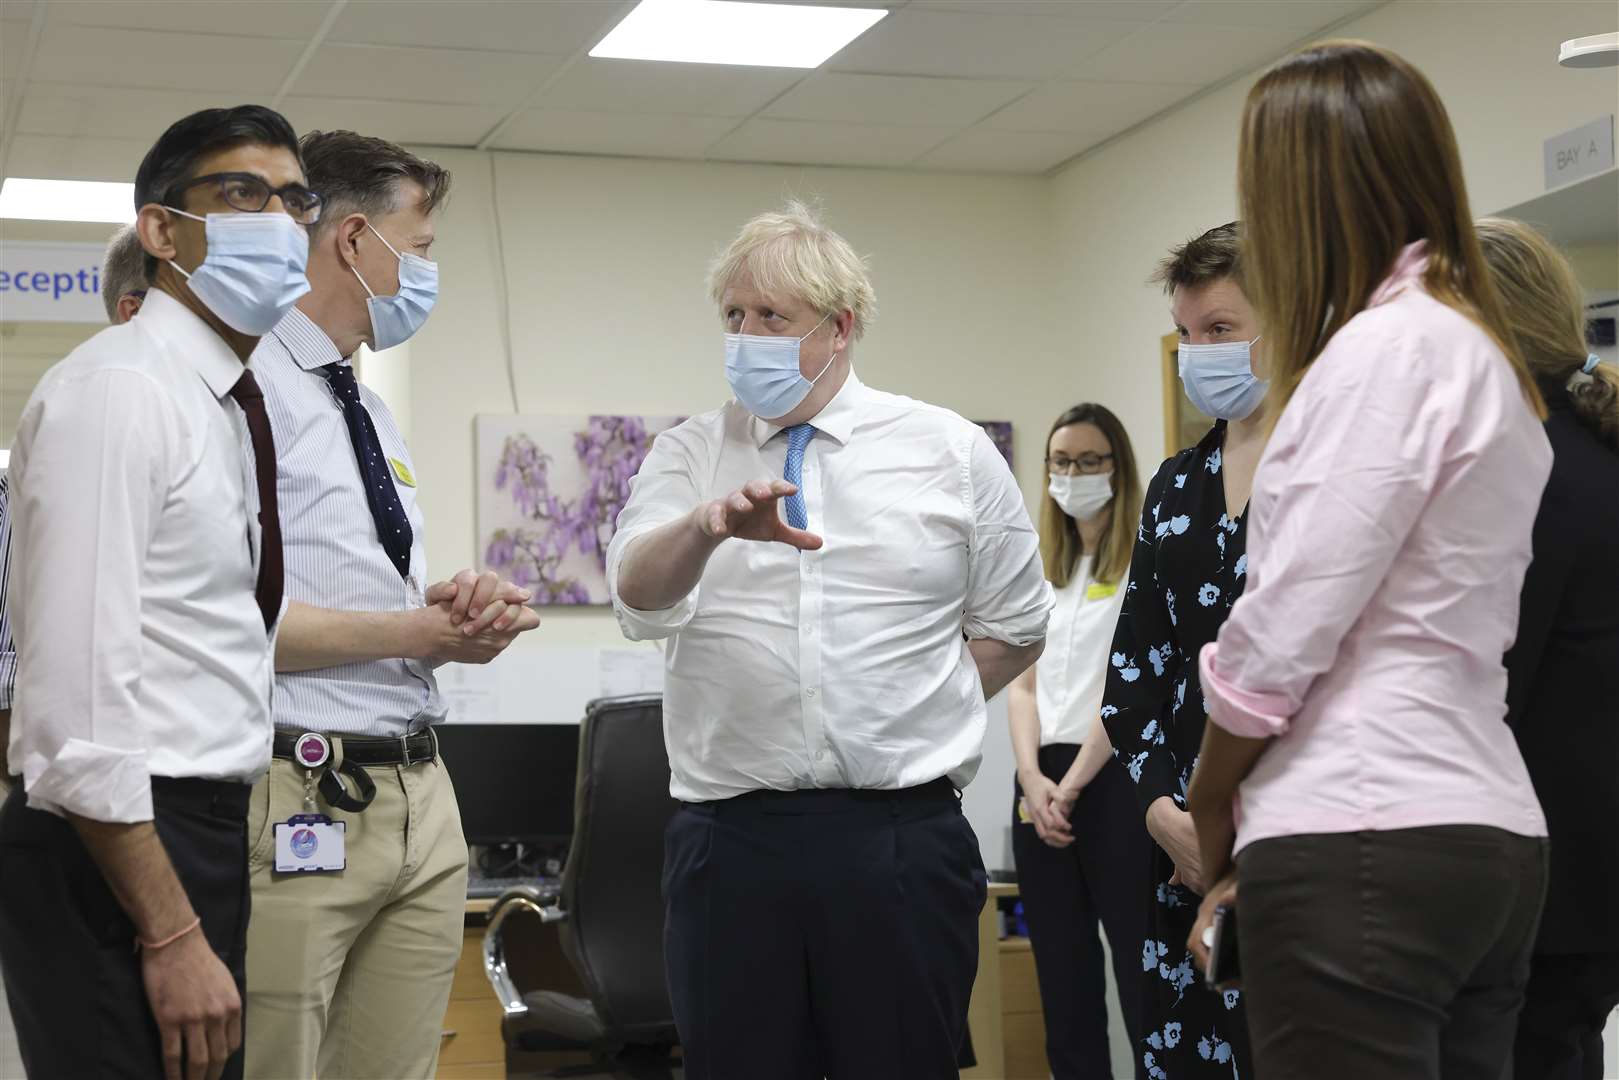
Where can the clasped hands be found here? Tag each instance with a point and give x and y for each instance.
(473, 617)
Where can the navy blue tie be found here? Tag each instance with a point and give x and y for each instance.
(393, 527)
(798, 437)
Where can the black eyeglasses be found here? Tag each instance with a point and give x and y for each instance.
(251, 194)
(1089, 464)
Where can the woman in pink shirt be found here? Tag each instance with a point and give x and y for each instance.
(1389, 844)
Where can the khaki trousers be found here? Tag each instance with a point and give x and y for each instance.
(348, 972)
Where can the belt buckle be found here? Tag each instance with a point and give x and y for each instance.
(404, 748)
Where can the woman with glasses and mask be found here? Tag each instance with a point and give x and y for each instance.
(1080, 849)
(1188, 568)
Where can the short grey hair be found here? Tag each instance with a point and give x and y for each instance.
(791, 252)
(124, 270)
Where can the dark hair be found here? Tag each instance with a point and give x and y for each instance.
(1203, 260)
(1060, 543)
(359, 173)
(174, 156)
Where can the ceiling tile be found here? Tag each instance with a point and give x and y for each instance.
(1088, 107)
(548, 26)
(434, 124)
(1188, 54)
(614, 133)
(60, 157)
(982, 46)
(808, 142)
(1126, 10)
(238, 69)
(895, 99)
(1301, 15)
(139, 113)
(397, 73)
(647, 87)
(284, 19)
(983, 150)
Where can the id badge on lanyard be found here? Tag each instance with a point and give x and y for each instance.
(310, 841)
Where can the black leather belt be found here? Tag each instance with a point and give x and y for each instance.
(337, 756)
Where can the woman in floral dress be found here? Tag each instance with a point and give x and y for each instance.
(1187, 571)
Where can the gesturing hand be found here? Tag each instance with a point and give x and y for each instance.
(750, 513)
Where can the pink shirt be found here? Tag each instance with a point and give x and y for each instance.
(1388, 538)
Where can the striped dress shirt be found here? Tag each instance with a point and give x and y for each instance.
(329, 540)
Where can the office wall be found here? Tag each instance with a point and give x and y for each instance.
(1119, 209)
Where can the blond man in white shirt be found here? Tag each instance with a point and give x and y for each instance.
(844, 576)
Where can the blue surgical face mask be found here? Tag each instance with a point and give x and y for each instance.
(395, 318)
(1220, 379)
(254, 269)
(764, 373)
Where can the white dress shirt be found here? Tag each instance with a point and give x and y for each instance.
(1072, 672)
(329, 541)
(141, 649)
(844, 667)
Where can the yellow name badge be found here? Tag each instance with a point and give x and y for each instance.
(1100, 590)
(402, 472)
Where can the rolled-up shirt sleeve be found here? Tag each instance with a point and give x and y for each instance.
(663, 491)
(95, 454)
(1008, 597)
(1348, 471)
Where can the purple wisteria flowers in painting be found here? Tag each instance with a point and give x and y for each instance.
(550, 492)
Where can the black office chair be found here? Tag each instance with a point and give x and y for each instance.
(610, 911)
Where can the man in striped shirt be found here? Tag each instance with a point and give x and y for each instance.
(351, 971)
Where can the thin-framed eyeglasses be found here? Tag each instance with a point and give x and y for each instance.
(251, 194)
(1084, 464)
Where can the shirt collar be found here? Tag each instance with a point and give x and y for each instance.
(192, 341)
(836, 419)
(1409, 266)
(307, 344)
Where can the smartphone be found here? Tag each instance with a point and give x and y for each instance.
(1224, 966)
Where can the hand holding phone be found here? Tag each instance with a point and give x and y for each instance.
(1224, 966)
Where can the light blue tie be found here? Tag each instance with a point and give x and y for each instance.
(798, 437)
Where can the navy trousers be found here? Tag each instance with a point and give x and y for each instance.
(820, 934)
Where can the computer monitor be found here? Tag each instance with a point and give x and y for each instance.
(514, 781)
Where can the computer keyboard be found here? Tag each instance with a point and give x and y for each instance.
(488, 888)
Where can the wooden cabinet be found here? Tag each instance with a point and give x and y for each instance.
(471, 1047)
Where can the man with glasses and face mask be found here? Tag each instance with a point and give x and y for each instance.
(145, 600)
(844, 577)
(351, 970)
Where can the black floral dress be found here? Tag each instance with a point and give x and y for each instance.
(1188, 569)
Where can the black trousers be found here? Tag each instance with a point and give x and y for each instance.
(1564, 1013)
(1401, 954)
(72, 975)
(1066, 893)
(820, 934)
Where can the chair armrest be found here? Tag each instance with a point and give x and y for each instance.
(521, 898)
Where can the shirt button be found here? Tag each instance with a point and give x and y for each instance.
(820, 755)
(808, 629)
(810, 692)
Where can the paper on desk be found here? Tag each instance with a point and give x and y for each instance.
(471, 692)
(631, 671)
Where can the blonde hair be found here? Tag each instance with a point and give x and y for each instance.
(791, 253)
(1346, 156)
(1545, 312)
(1060, 542)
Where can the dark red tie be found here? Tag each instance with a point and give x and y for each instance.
(251, 399)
